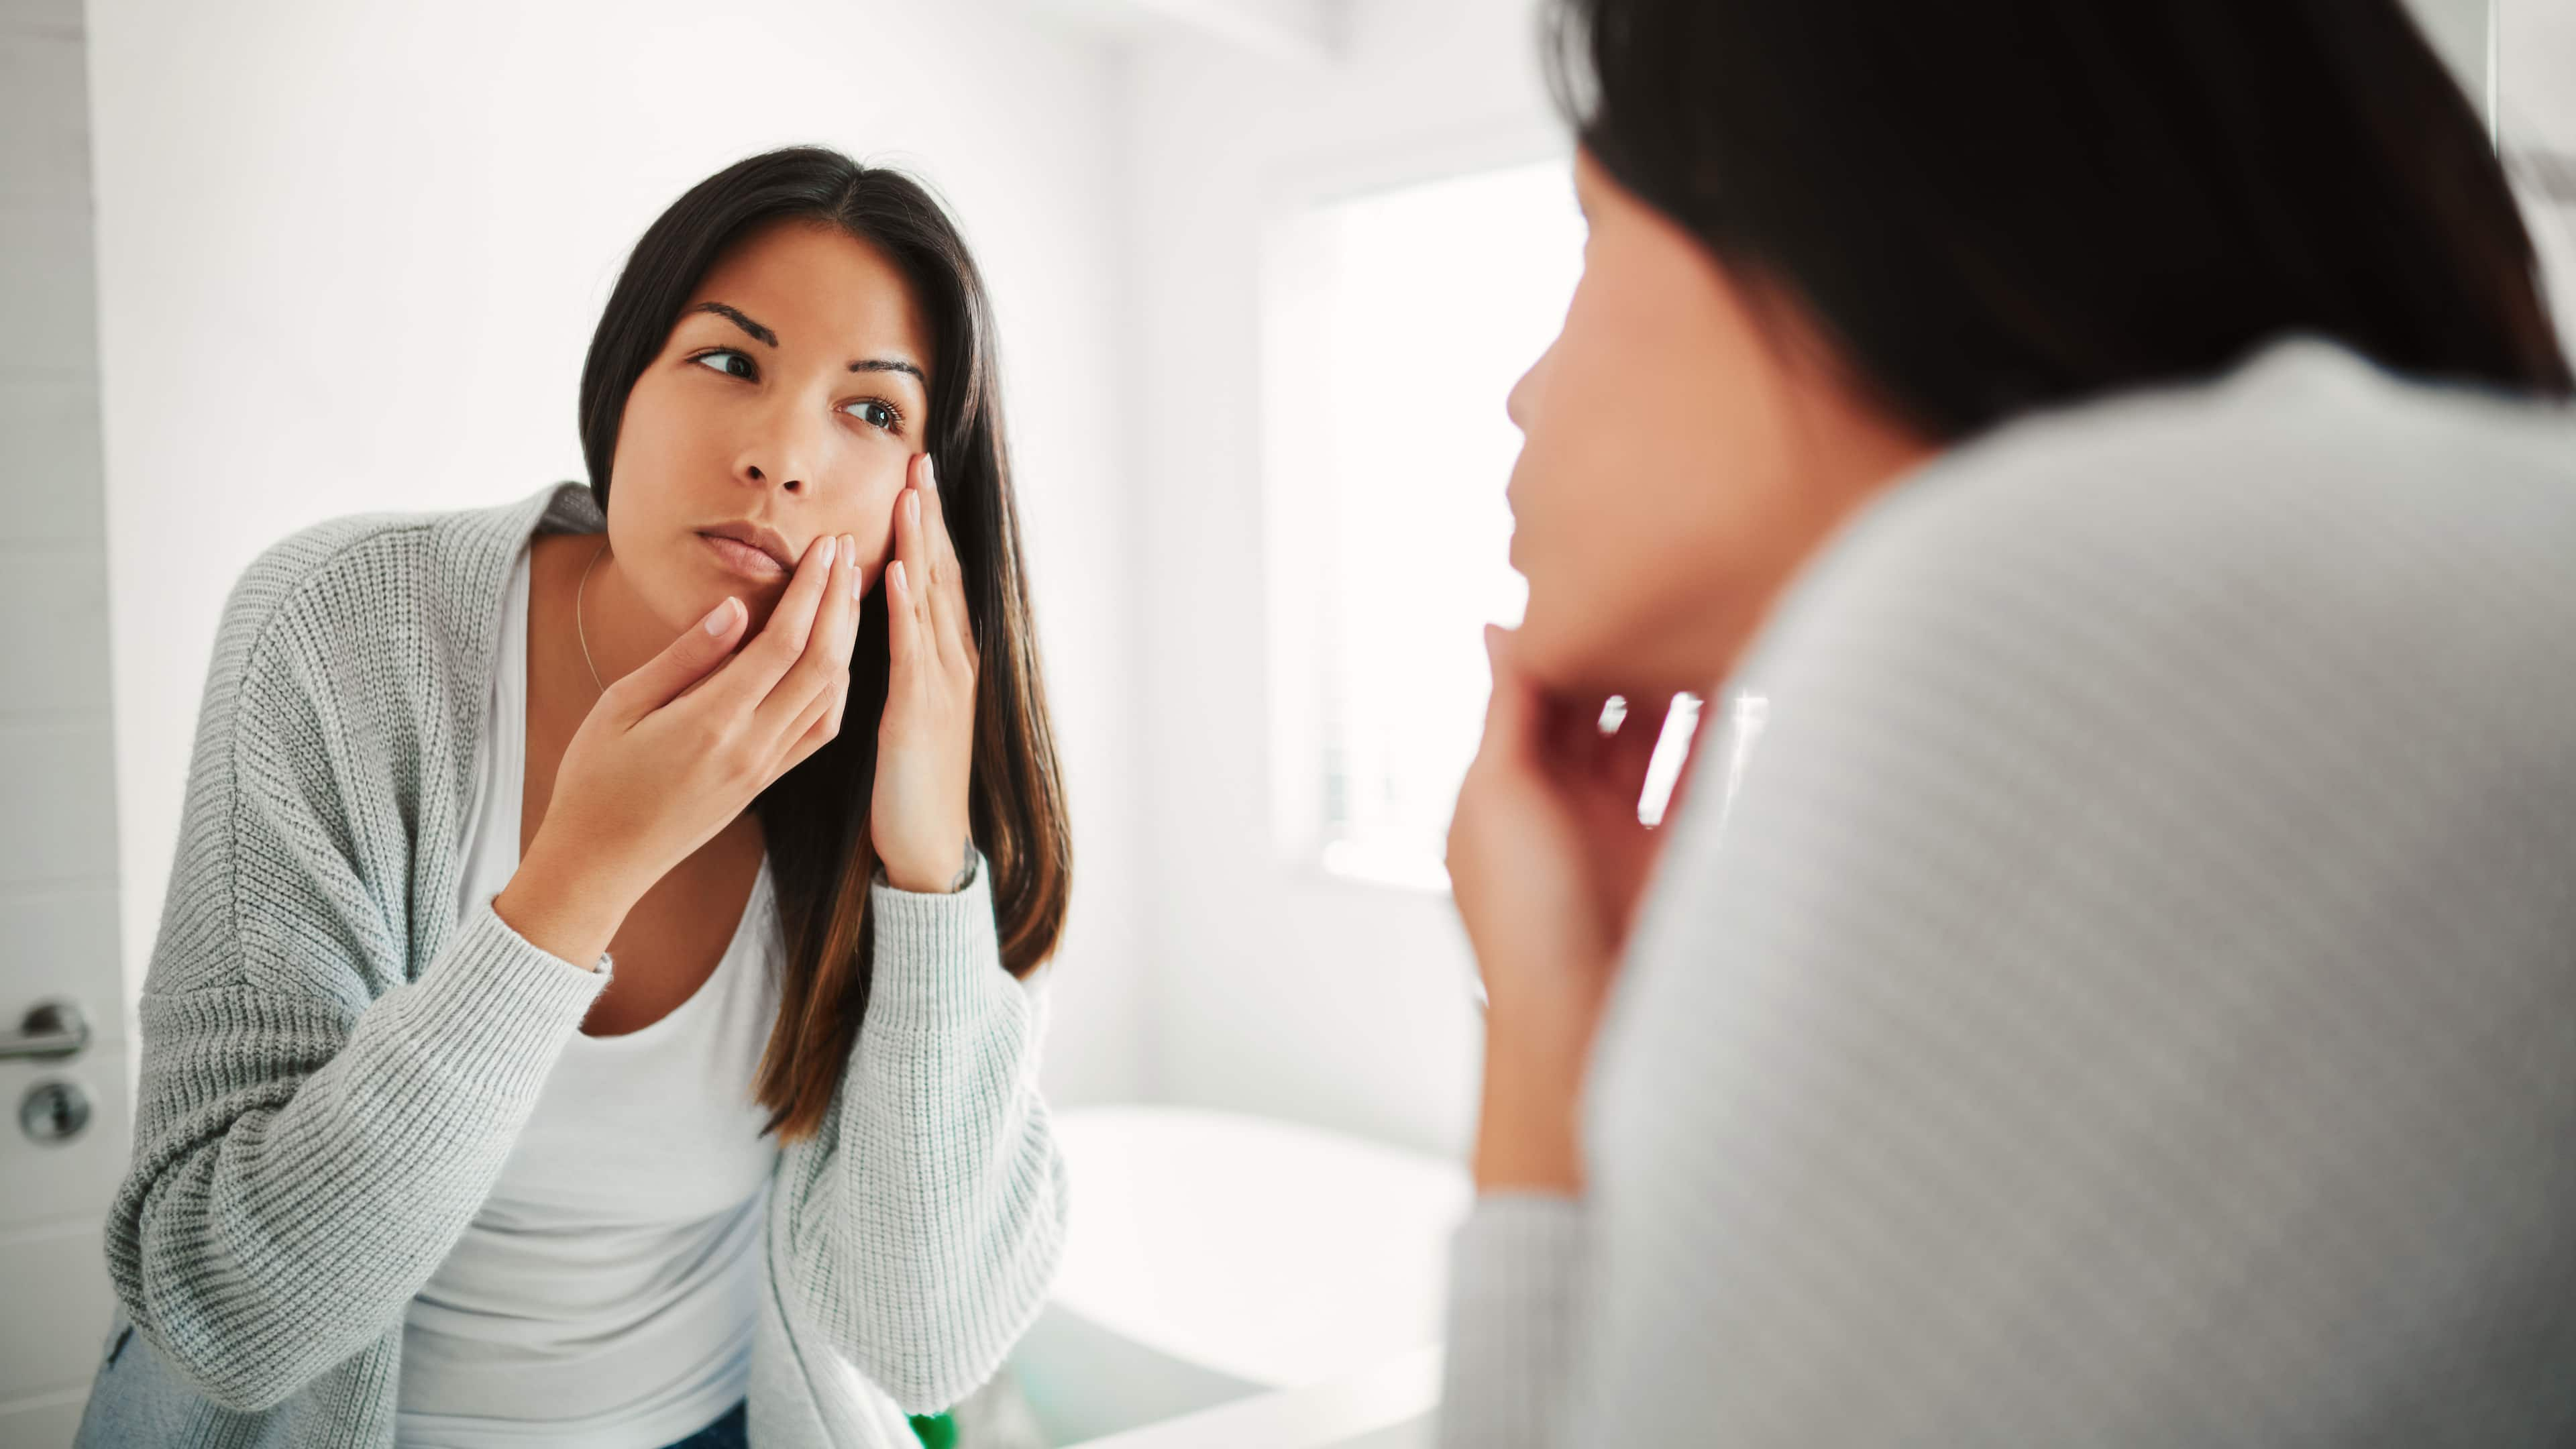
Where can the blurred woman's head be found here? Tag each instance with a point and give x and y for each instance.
(782, 342)
(1831, 237)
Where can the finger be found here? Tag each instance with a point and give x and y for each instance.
(824, 667)
(818, 721)
(930, 580)
(849, 600)
(763, 662)
(908, 618)
(1512, 711)
(812, 730)
(840, 702)
(682, 663)
(947, 590)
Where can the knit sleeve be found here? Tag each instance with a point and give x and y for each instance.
(308, 1141)
(2126, 1002)
(1515, 1271)
(927, 1215)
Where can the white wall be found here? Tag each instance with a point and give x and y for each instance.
(1276, 989)
(349, 257)
(2536, 100)
(2536, 71)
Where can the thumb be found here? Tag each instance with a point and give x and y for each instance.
(683, 662)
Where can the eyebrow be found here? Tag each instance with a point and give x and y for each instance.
(763, 334)
(888, 364)
(758, 332)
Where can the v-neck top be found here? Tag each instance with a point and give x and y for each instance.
(604, 1295)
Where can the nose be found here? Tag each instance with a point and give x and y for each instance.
(1516, 403)
(780, 452)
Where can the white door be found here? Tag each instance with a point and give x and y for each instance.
(63, 1112)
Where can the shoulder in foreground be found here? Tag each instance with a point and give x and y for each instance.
(2306, 606)
(2306, 485)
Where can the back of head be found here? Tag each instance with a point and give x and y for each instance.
(1990, 206)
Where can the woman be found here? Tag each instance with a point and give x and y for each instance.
(2127, 1001)
(592, 1006)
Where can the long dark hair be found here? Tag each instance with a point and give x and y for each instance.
(815, 817)
(1996, 205)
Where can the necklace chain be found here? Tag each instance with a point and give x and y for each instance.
(578, 632)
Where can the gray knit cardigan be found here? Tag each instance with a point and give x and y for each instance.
(334, 1067)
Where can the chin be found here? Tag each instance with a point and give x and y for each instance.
(1583, 657)
(1544, 652)
(680, 593)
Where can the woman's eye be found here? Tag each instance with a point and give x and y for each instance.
(875, 414)
(726, 361)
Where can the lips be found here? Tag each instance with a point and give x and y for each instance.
(750, 549)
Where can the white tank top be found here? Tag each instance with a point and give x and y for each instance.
(603, 1297)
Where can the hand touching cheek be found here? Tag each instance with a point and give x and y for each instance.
(926, 742)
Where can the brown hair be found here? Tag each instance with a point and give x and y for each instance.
(815, 817)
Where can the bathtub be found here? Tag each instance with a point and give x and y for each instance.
(1231, 1270)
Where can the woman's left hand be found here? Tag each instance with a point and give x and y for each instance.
(926, 743)
(1547, 860)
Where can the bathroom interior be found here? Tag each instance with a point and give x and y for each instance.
(1194, 216)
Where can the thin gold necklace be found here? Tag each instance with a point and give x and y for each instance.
(578, 632)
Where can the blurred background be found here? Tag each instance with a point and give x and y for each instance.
(1264, 270)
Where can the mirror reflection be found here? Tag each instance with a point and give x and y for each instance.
(1050, 723)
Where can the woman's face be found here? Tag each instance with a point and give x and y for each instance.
(1686, 445)
(786, 404)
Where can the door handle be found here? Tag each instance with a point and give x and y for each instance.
(52, 1028)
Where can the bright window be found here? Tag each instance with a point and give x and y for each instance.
(1398, 321)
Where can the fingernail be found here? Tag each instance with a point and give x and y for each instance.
(828, 550)
(929, 471)
(720, 616)
(894, 571)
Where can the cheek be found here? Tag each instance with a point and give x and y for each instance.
(661, 442)
(1628, 496)
(666, 478)
(876, 547)
(859, 498)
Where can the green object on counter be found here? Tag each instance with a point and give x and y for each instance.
(937, 1431)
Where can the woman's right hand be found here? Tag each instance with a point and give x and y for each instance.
(672, 753)
(1547, 861)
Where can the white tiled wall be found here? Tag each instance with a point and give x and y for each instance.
(58, 904)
